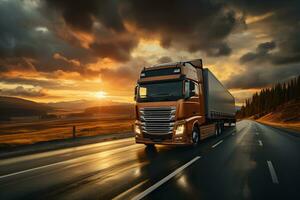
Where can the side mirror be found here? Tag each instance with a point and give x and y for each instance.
(192, 93)
(192, 89)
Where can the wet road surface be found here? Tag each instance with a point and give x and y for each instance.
(249, 161)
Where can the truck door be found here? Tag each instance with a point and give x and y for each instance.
(192, 102)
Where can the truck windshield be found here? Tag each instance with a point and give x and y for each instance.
(165, 91)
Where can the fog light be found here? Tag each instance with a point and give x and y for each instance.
(137, 130)
(179, 129)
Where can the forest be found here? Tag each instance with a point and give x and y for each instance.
(268, 99)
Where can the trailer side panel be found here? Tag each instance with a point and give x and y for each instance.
(219, 103)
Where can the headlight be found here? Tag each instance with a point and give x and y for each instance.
(179, 129)
(177, 70)
(137, 129)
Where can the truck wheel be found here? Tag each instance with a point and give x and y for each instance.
(216, 130)
(149, 146)
(195, 136)
(221, 127)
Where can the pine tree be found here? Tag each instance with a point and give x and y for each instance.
(268, 99)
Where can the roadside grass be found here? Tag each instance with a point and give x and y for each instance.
(290, 125)
(15, 133)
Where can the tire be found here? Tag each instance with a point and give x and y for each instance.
(221, 128)
(195, 136)
(150, 145)
(216, 130)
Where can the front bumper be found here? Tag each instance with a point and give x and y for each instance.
(163, 142)
(173, 140)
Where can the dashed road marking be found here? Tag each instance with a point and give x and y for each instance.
(159, 183)
(272, 172)
(213, 146)
(260, 143)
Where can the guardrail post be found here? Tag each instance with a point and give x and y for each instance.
(74, 132)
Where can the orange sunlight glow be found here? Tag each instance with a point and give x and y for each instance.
(100, 95)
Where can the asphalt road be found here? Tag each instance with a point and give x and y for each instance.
(249, 161)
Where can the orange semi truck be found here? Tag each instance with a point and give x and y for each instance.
(180, 104)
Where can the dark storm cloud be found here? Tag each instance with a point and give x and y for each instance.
(263, 68)
(282, 25)
(258, 7)
(26, 34)
(101, 19)
(262, 76)
(32, 36)
(164, 59)
(117, 50)
(276, 60)
(52, 84)
(192, 25)
(261, 53)
(80, 14)
(23, 92)
(36, 32)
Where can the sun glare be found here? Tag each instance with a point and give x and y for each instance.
(100, 94)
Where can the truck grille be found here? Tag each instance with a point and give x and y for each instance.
(157, 120)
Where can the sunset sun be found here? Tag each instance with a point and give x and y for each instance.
(100, 95)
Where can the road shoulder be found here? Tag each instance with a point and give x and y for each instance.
(287, 129)
(60, 144)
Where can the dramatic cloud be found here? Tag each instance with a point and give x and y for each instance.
(23, 92)
(197, 25)
(164, 59)
(81, 14)
(278, 58)
(260, 71)
(192, 25)
(102, 20)
(256, 77)
(33, 82)
(261, 54)
(71, 47)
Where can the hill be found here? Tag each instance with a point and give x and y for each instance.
(17, 107)
(269, 99)
(288, 112)
(113, 109)
(286, 115)
(79, 104)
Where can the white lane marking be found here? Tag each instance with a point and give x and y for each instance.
(272, 172)
(61, 151)
(159, 183)
(213, 146)
(122, 149)
(29, 170)
(123, 194)
(260, 143)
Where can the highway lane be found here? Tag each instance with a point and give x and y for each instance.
(251, 161)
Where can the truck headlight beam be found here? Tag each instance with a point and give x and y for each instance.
(137, 129)
(179, 129)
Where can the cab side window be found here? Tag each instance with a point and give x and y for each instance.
(191, 89)
(187, 89)
(195, 88)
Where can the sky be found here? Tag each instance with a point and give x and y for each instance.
(64, 50)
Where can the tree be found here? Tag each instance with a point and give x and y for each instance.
(268, 99)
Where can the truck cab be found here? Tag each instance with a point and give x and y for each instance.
(170, 105)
